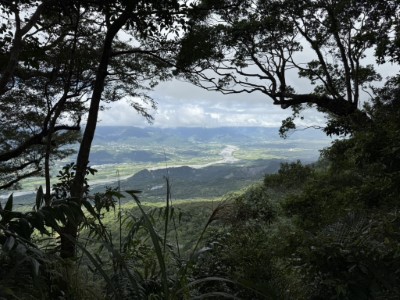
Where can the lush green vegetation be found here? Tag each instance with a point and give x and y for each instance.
(323, 231)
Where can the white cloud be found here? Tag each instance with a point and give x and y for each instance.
(182, 104)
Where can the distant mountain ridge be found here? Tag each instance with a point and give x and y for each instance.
(109, 134)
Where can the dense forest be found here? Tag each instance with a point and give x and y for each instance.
(328, 230)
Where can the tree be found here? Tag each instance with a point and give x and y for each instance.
(74, 57)
(45, 75)
(257, 46)
(148, 23)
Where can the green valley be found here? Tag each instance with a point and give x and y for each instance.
(212, 161)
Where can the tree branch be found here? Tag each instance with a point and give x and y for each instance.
(17, 46)
(36, 139)
(19, 178)
(339, 107)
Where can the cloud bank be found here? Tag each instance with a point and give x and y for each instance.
(181, 104)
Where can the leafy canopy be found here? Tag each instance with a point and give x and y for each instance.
(260, 46)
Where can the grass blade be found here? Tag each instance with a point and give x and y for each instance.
(157, 248)
(100, 270)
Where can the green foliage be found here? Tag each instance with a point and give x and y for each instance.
(335, 229)
(150, 262)
(372, 154)
(62, 189)
(354, 258)
(26, 256)
(239, 250)
(29, 240)
(290, 176)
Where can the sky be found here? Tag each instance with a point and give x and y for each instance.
(181, 104)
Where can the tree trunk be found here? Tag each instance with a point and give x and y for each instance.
(69, 232)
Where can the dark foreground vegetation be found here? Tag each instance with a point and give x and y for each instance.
(324, 231)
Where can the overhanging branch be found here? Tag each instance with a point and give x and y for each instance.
(36, 139)
(339, 107)
(19, 178)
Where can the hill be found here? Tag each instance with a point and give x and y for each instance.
(190, 183)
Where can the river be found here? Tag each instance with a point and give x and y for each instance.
(227, 158)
